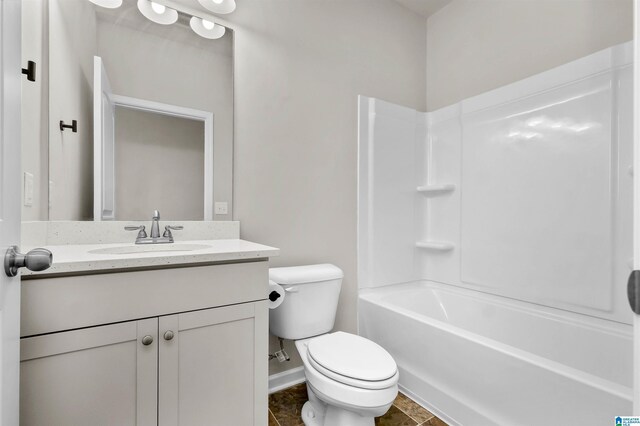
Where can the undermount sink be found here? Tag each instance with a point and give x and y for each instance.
(150, 248)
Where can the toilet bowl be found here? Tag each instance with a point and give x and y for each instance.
(350, 379)
(341, 392)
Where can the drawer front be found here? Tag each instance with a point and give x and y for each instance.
(64, 303)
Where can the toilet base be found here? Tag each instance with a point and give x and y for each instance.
(312, 416)
(333, 416)
(316, 412)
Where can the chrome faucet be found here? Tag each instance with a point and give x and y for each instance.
(154, 238)
(155, 224)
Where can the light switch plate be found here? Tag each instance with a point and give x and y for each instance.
(50, 193)
(221, 207)
(28, 189)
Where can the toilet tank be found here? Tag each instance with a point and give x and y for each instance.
(310, 301)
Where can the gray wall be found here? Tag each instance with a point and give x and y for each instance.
(72, 44)
(300, 66)
(35, 107)
(476, 46)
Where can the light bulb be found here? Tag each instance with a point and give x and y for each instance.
(158, 8)
(109, 4)
(208, 24)
(219, 6)
(206, 29)
(158, 13)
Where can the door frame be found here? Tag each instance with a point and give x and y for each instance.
(636, 199)
(10, 204)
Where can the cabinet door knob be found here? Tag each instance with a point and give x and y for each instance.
(147, 340)
(168, 335)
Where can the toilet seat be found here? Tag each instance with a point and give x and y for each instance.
(352, 360)
(368, 402)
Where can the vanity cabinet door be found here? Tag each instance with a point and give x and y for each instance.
(213, 367)
(95, 376)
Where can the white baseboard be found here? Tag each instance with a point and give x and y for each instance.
(286, 379)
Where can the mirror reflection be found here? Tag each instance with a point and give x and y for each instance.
(160, 165)
(153, 107)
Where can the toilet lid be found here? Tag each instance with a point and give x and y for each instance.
(352, 356)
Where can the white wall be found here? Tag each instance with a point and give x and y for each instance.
(476, 46)
(160, 166)
(300, 66)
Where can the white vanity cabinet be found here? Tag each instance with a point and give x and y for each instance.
(179, 346)
(93, 376)
(206, 371)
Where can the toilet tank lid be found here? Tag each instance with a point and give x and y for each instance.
(305, 274)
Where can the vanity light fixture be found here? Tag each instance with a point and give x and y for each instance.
(109, 4)
(158, 13)
(161, 14)
(219, 6)
(206, 29)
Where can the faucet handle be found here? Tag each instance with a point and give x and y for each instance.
(142, 233)
(168, 228)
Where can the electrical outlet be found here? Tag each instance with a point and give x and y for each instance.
(28, 189)
(221, 207)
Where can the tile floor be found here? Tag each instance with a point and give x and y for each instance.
(285, 407)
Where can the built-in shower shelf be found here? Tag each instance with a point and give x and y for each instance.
(437, 189)
(435, 245)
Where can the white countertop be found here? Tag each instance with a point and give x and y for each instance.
(78, 258)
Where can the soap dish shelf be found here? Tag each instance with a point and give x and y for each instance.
(435, 245)
(430, 190)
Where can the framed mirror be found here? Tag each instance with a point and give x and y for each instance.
(128, 115)
(132, 137)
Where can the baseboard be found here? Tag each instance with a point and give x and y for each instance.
(286, 379)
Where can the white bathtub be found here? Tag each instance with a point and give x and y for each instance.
(476, 359)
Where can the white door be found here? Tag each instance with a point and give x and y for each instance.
(10, 88)
(103, 144)
(636, 203)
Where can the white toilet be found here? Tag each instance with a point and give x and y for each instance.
(350, 379)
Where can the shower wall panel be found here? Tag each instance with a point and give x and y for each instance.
(523, 192)
(542, 211)
(390, 142)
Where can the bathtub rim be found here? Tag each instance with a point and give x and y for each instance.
(374, 296)
(616, 328)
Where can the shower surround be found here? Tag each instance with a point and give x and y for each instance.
(494, 246)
